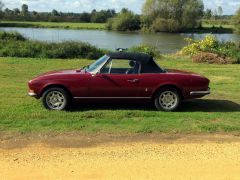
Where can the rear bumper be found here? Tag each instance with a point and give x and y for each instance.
(200, 93)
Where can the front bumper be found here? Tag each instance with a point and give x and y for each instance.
(31, 93)
(200, 93)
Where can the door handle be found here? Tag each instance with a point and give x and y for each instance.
(133, 80)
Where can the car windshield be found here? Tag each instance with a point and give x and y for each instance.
(96, 66)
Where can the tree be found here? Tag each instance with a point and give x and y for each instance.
(208, 14)
(236, 21)
(125, 21)
(1, 8)
(124, 10)
(161, 15)
(85, 17)
(192, 12)
(16, 11)
(220, 11)
(55, 12)
(25, 10)
(93, 11)
(215, 14)
(35, 14)
(102, 16)
(111, 13)
(1, 5)
(8, 12)
(98, 17)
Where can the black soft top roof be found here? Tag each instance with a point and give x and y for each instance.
(141, 57)
(147, 62)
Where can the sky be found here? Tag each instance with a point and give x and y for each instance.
(229, 6)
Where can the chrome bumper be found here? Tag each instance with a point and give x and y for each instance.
(200, 93)
(32, 94)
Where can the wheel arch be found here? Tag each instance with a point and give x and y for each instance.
(55, 86)
(168, 86)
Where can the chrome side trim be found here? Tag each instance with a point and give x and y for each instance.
(200, 93)
(112, 97)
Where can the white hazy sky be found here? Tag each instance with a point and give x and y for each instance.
(229, 6)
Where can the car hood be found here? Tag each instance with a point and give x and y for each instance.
(60, 72)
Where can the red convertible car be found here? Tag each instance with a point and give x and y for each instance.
(119, 75)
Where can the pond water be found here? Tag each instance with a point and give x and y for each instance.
(165, 42)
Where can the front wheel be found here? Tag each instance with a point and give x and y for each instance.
(167, 99)
(56, 99)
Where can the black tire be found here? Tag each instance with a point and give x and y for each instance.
(64, 99)
(174, 102)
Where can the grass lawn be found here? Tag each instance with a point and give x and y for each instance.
(219, 112)
(61, 25)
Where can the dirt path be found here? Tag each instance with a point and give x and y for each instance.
(202, 157)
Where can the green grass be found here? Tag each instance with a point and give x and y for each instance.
(217, 26)
(210, 28)
(224, 26)
(206, 26)
(220, 112)
(60, 25)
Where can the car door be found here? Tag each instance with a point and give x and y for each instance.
(117, 79)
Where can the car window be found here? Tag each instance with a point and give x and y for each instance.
(121, 66)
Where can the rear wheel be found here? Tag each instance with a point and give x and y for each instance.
(56, 99)
(167, 99)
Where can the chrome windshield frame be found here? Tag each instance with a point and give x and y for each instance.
(97, 69)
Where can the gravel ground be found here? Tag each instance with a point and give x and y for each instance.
(170, 159)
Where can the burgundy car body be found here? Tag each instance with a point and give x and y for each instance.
(82, 84)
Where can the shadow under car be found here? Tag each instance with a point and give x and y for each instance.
(197, 105)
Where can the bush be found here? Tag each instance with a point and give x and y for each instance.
(151, 50)
(229, 51)
(125, 21)
(37, 49)
(208, 44)
(11, 36)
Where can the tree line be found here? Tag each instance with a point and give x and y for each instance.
(157, 16)
(24, 14)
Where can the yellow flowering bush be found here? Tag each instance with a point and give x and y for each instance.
(210, 42)
(211, 50)
(207, 44)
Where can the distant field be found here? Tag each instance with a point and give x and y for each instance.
(218, 112)
(226, 26)
(207, 26)
(62, 25)
(220, 25)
